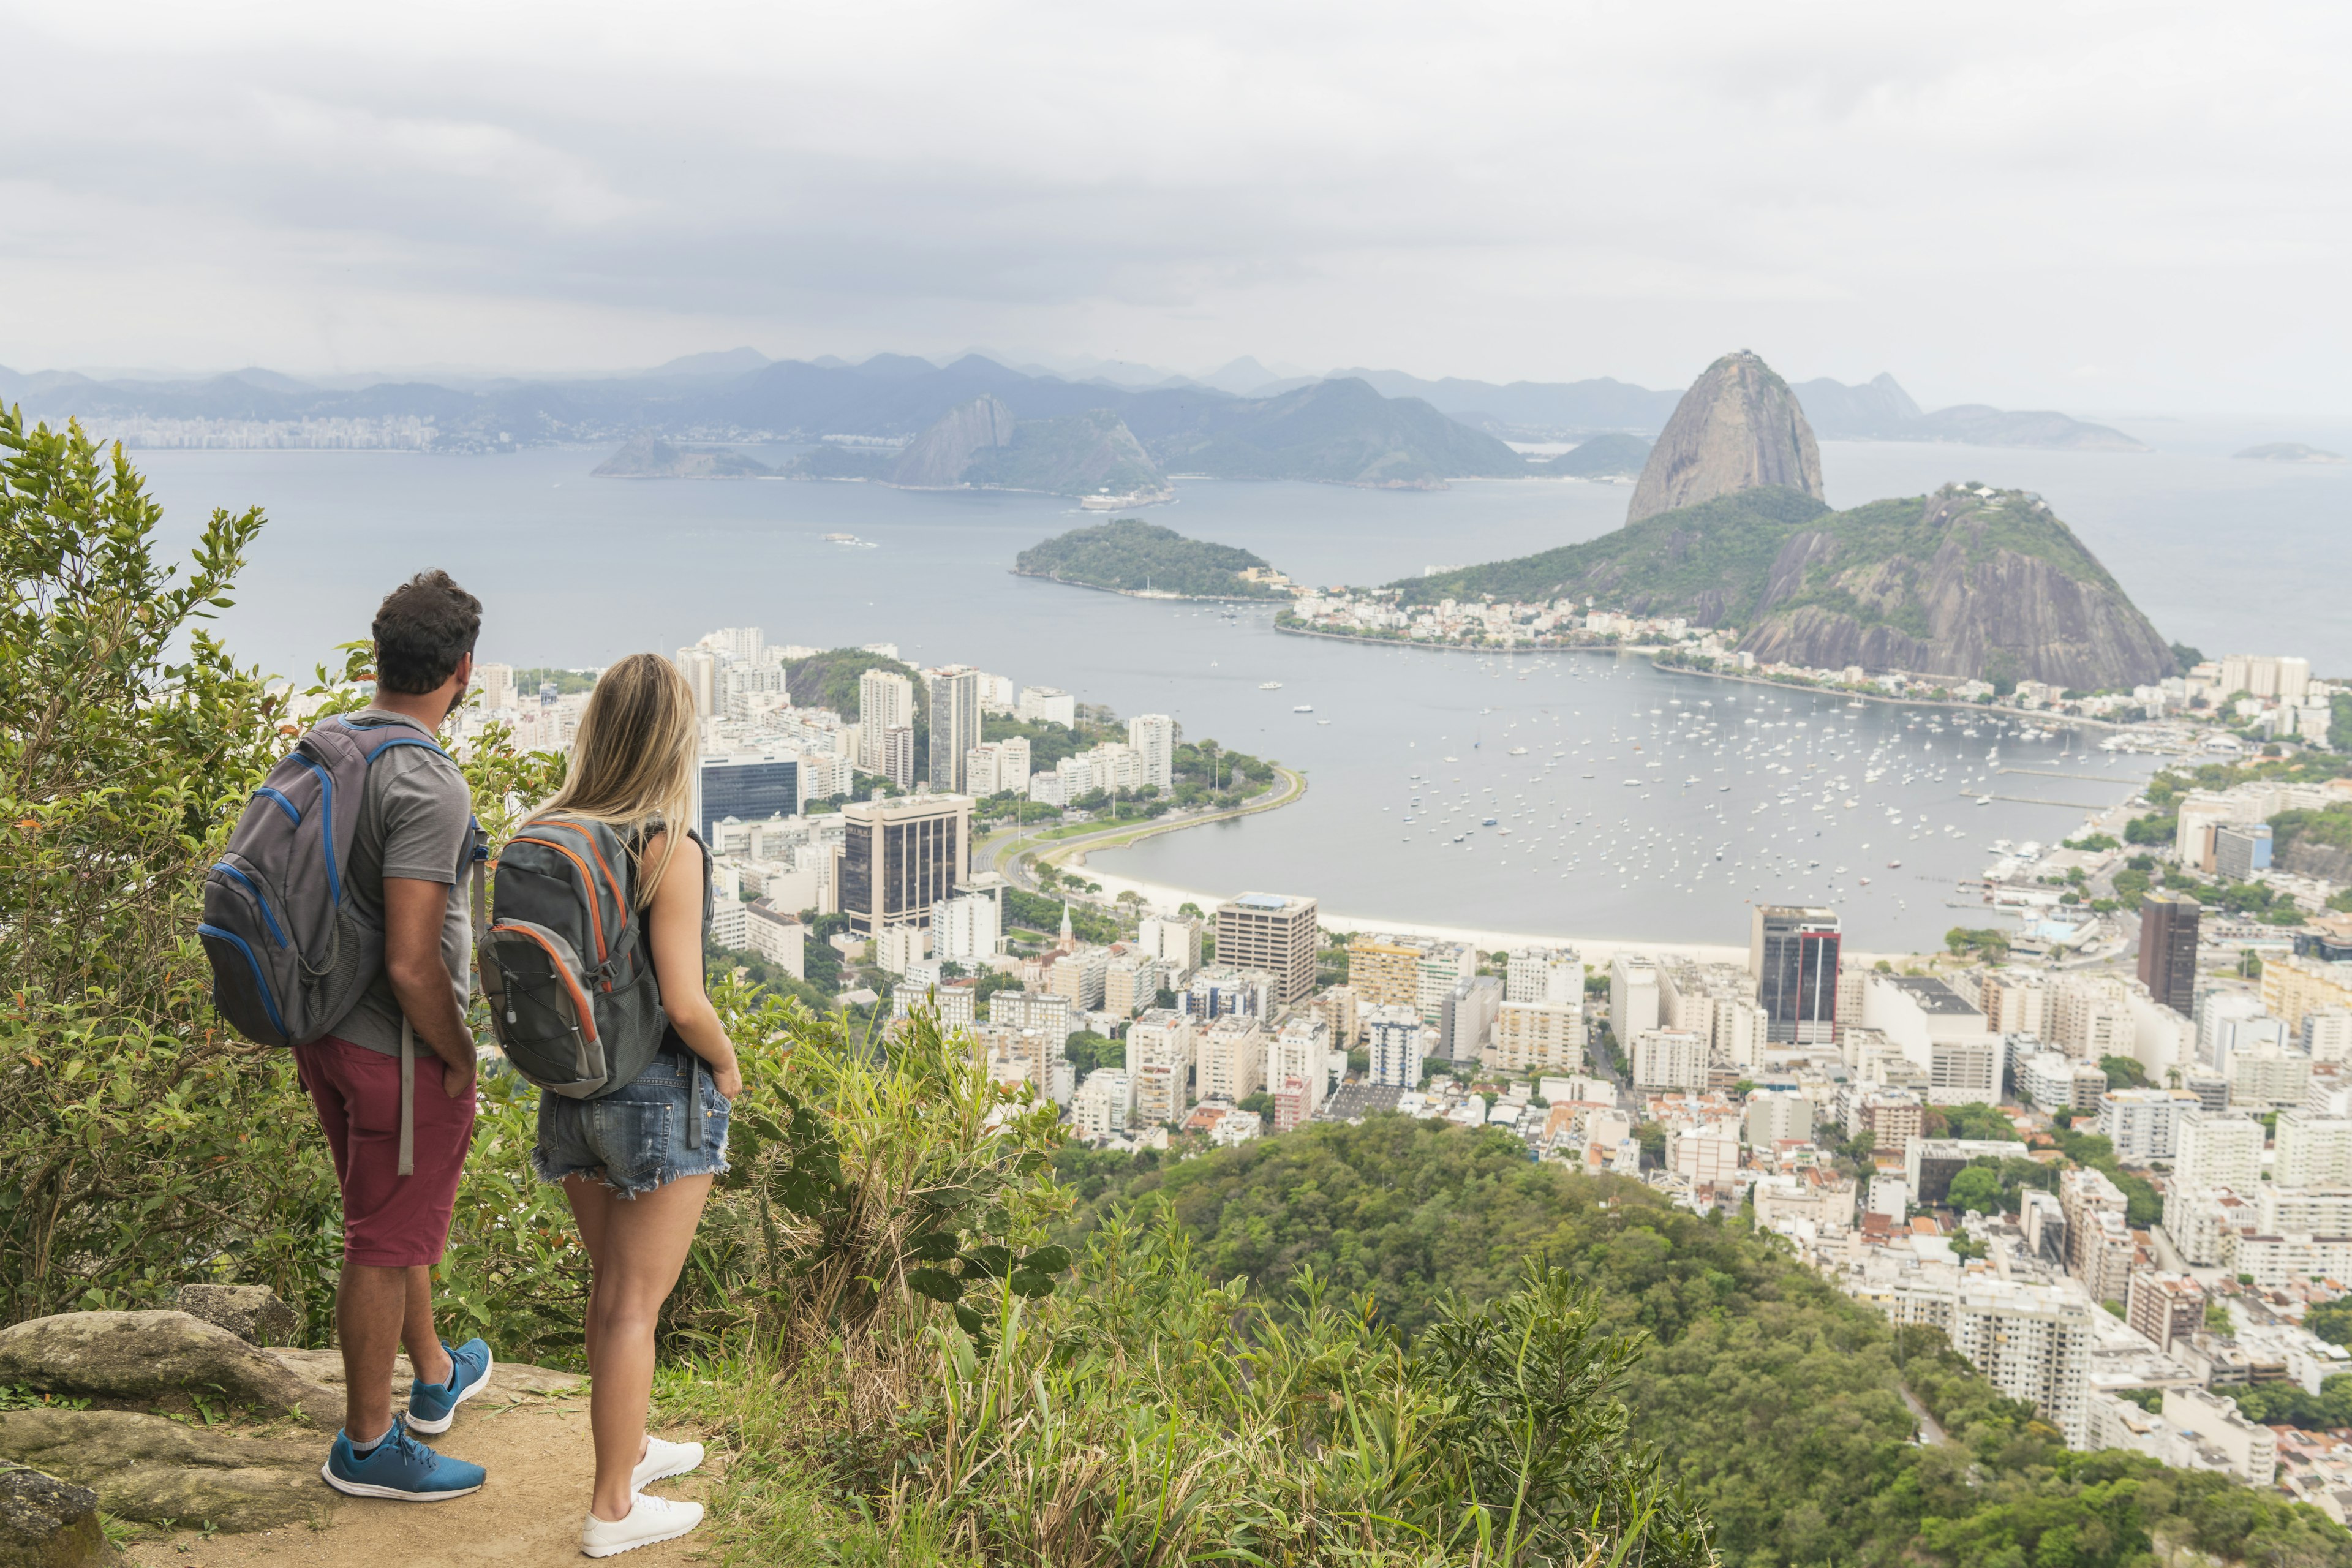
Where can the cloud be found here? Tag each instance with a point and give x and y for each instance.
(1984, 201)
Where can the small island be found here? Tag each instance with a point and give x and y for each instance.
(1145, 561)
(651, 457)
(2289, 452)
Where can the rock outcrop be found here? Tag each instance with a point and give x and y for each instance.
(937, 459)
(48, 1523)
(1738, 428)
(254, 1313)
(1968, 581)
(148, 1355)
(152, 1468)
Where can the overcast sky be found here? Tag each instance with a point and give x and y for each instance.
(2106, 208)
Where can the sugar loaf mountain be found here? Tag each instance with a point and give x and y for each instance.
(1729, 526)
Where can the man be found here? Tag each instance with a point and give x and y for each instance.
(410, 866)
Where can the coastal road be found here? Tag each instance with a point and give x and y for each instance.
(1005, 852)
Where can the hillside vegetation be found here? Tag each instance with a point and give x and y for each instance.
(1128, 554)
(1777, 1401)
(1966, 581)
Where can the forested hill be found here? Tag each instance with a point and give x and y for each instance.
(1968, 581)
(1778, 1399)
(1127, 554)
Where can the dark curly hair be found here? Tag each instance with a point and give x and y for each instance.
(422, 628)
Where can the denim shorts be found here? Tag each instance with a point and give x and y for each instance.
(634, 1139)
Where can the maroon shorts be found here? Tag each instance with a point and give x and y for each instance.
(390, 1221)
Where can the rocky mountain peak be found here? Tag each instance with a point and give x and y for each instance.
(939, 457)
(1738, 428)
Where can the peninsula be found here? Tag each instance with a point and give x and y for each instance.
(1129, 557)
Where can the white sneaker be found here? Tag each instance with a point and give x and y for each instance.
(664, 1461)
(651, 1518)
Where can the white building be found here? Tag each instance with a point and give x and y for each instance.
(2270, 1074)
(1231, 1060)
(1668, 1059)
(1531, 1037)
(967, 929)
(2032, 1342)
(2218, 1149)
(1779, 1118)
(2055, 1081)
(2213, 1419)
(1298, 1051)
(1703, 1155)
(1045, 705)
(1634, 1000)
(1939, 1032)
(1555, 975)
(1152, 736)
(1394, 1036)
(777, 936)
(1175, 941)
(2144, 1124)
(1102, 1104)
(2313, 1150)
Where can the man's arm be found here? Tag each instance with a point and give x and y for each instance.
(413, 915)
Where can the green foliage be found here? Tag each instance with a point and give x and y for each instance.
(1988, 943)
(2153, 829)
(1978, 1189)
(1777, 1400)
(2331, 1320)
(2094, 842)
(1723, 548)
(1087, 1051)
(2286, 1405)
(2123, 1072)
(1131, 555)
(1035, 912)
(829, 680)
(568, 682)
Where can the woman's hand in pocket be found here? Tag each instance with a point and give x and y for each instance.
(728, 1080)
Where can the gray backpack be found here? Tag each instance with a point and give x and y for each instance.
(291, 951)
(565, 961)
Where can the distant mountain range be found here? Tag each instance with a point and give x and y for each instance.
(1358, 425)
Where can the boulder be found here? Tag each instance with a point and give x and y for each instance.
(151, 1468)
(254, 1313)
(144, 1355)
(48, 1523)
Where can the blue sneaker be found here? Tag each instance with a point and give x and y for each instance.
(400, 1467)
(433, 1406)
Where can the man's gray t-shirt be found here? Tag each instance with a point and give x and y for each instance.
(416, 821)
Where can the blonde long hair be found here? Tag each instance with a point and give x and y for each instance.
(633, 760)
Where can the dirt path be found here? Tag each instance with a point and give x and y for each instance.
(541, 1459)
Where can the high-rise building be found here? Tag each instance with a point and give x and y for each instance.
(1272, 931)
(1385, 974)
(1633, 1001)
(751, 789)
(2167, 948)
(1544, 974)
(1531, 1037)
(1153, 736)
(886, 701)
(1230, 1057)
(2240, 850)
(497, 684)
(1393, 1035)
(1792, 951)
(967, 929)
(955, 724)
(900, 857)
(700, 667)
(1465, 1021)
(1045, 705)
(1668, 1059)
(897, 755)
(2221, 1148)
(1175, 941)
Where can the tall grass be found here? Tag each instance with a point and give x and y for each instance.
(1137, 1413)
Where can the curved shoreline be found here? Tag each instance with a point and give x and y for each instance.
(1148, 595)
(1653, 651)
(1008, 860)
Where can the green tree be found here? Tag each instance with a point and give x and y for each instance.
(1977, 1190)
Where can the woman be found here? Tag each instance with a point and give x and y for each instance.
(636, 1183)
